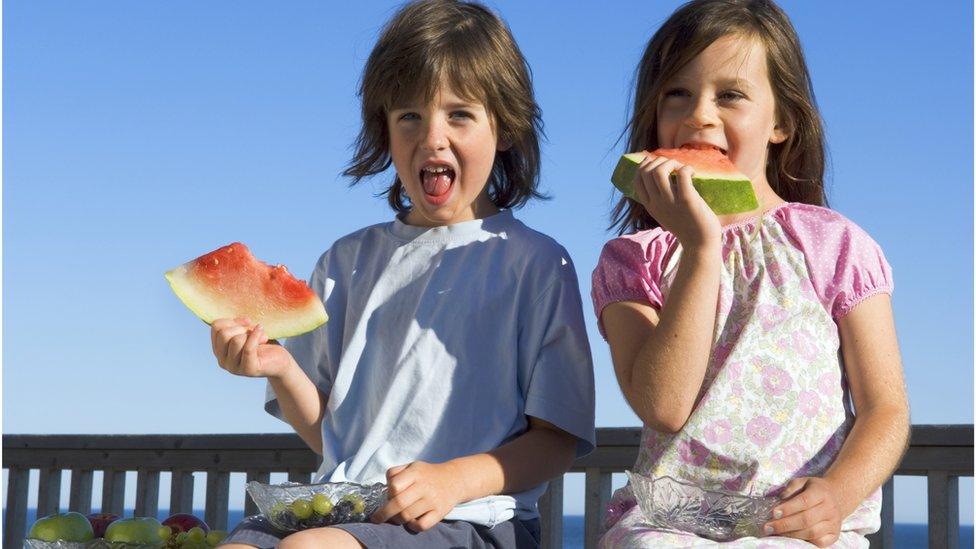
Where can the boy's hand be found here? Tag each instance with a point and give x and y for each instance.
(809, 511)
(420, 495)
(243, 349)
(675, 203)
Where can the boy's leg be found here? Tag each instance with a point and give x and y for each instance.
(333, 538)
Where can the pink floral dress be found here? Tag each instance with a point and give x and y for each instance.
(774, 404)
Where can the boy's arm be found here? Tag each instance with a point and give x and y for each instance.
(301, 403)
(421, 494)
(878, 439)
(660, 358)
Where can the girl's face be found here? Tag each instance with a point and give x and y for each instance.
(723, 99)
(443, 153)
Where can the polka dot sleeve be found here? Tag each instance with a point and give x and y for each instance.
(846, 265)
(629, 269)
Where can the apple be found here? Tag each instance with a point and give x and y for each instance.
(69, 526)
(183, 522)
(100, 521)
(143, 530)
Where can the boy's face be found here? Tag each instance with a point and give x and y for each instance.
(723, 98)
(443, 153)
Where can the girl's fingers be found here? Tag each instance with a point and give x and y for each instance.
(684, 190)
(792, 525)
(662, 176)
(640, 188)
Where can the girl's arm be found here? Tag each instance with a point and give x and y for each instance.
(660, 358)
(421, 493)
(878, 439)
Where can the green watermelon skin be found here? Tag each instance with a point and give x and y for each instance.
(721, 186)
(230, 282)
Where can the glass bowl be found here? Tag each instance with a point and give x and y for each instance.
(715, 514)
(292, 506)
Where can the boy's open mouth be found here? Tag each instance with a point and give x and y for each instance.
(437, 181)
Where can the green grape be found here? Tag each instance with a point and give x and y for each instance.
(215, 537)
(321, 504)
(358, 505)
(302, 508)
(196, 534)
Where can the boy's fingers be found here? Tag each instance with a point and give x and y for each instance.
(394, 471)
(249, 353)
(234, 348)
(223, 338)
(423, 523)
(393, 508)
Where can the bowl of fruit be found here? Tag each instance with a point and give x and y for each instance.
(292, 506)
(73, 530)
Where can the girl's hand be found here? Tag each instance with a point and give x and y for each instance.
(243, 349)
(675, 204)
(810, 511)
(420, 495)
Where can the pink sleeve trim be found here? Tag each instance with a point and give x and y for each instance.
(845, 309)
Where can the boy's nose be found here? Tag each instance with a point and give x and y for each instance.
(435, 137)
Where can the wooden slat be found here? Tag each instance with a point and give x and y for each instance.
(49, 492)
(598, 487)
(181, 492)
(163, 460)
(261, 476)
(113, 492)
(15, 519)
(551, 514)
(147, 493)
(885, 537)
(299, 475)
(80, 498)
(218, 492)
(943, 510)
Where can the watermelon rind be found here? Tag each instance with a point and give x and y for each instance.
(723, 195)
(277, 324)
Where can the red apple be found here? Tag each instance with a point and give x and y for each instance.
(100, 521)
(182, 522)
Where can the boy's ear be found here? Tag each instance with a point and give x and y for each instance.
(503, 145)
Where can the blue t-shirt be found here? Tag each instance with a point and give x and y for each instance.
(440, 342)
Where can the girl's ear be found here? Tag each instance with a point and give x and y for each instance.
(779, 135)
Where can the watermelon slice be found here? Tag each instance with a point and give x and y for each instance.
(229, 282)
(716, 179)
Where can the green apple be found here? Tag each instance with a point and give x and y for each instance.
(142, 530)
(69, 526)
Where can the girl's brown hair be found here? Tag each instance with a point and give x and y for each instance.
(795, 167)
(466, 46)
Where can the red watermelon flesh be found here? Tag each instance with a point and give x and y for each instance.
(723, 187)
(230, 282)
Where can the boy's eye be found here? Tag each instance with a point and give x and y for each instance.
(461, 114)
(409, 116)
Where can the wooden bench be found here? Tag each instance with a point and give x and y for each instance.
(942, 453)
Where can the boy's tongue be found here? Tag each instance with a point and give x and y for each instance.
(437, 184)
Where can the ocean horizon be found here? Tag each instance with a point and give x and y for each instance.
(907, 535)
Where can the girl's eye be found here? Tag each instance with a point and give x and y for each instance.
(409, 116)
(677, 92)
(461, 114)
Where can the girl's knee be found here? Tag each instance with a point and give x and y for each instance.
(330, 538)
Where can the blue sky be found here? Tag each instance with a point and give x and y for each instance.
(138, 135)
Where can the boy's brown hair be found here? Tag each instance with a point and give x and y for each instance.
(466, 46)
(795, 167)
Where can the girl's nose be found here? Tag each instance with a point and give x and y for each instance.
(702, 114)
(435, 137)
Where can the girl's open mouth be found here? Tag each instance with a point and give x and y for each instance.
(437, 182)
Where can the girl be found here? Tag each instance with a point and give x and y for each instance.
(455, 367)
(740, 340)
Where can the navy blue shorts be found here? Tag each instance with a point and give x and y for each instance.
(514, 533)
